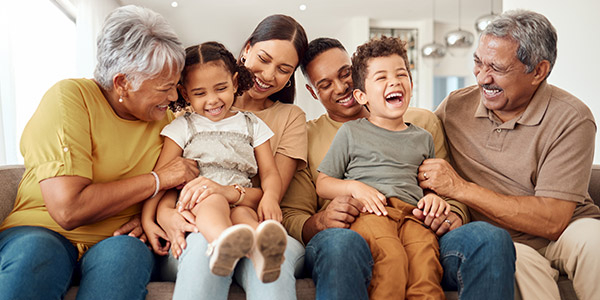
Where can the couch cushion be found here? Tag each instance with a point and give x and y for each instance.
(10, 176)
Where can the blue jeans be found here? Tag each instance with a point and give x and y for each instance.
(38, 263)
(340, 263)
(195, 281)
(479, 262)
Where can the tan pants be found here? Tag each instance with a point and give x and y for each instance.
(575, 254)
(405, 254)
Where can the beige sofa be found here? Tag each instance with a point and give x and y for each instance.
(305, 289)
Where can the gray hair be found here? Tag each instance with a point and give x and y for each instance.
(137, 42)
(536, 36)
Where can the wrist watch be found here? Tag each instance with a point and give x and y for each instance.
(242, 191)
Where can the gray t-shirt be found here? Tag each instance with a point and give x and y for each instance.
(385, 160)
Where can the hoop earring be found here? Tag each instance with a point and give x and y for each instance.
(120, 100)
(243, 59)
(289, 83)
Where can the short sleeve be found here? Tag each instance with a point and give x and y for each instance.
(293, 139)
(177, 131)
(299, 203)
(57, 142)
(262, 132)
(431, 146)
(336, 160)
(568, 162)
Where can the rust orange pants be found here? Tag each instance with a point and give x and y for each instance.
(405, 254)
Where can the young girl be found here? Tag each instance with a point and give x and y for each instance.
(229, 147)
(271, 53)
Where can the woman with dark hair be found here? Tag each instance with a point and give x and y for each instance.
(272, 53)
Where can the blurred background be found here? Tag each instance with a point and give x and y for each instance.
(43, 41)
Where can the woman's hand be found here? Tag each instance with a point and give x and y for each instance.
(174, 225)
(177, 172)
(154, 234)
(133, 228)
(201, 187)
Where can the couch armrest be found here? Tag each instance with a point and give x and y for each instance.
(10, 176)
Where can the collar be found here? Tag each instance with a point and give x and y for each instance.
(532, 115)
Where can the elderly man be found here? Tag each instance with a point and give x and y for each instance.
(522, 152)
(339, 259)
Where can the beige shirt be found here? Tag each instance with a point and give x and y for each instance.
(301, 201)
(546, 152)
(287, 121)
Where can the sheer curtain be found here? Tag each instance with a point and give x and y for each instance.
(33, 58)
(90, 17)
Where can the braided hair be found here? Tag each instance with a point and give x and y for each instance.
(207, 52)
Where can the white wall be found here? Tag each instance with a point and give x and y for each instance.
(350, 30)
(577, 65)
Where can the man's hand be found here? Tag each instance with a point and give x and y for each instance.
(439, 225)
(438, 175)
(132, 228)
(340, 213)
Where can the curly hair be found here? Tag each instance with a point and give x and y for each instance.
(376, 47)
(207, 52)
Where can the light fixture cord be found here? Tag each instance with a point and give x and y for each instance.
(459, 15)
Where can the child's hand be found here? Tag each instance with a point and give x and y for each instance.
(372, 199)
(269, 210)
(189, 214)
(154, 233)
(433, 205)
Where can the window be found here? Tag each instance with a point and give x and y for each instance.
(443, 85)
(38, 46)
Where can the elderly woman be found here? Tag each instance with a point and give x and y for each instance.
(89, 152)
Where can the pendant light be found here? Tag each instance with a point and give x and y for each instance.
(458, 39)
(433, 49)
(482, 22)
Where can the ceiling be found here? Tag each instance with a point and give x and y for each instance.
(243, 15)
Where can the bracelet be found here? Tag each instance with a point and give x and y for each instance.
(242, 191)
(157, 180)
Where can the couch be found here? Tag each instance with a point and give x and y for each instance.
(10, 176)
